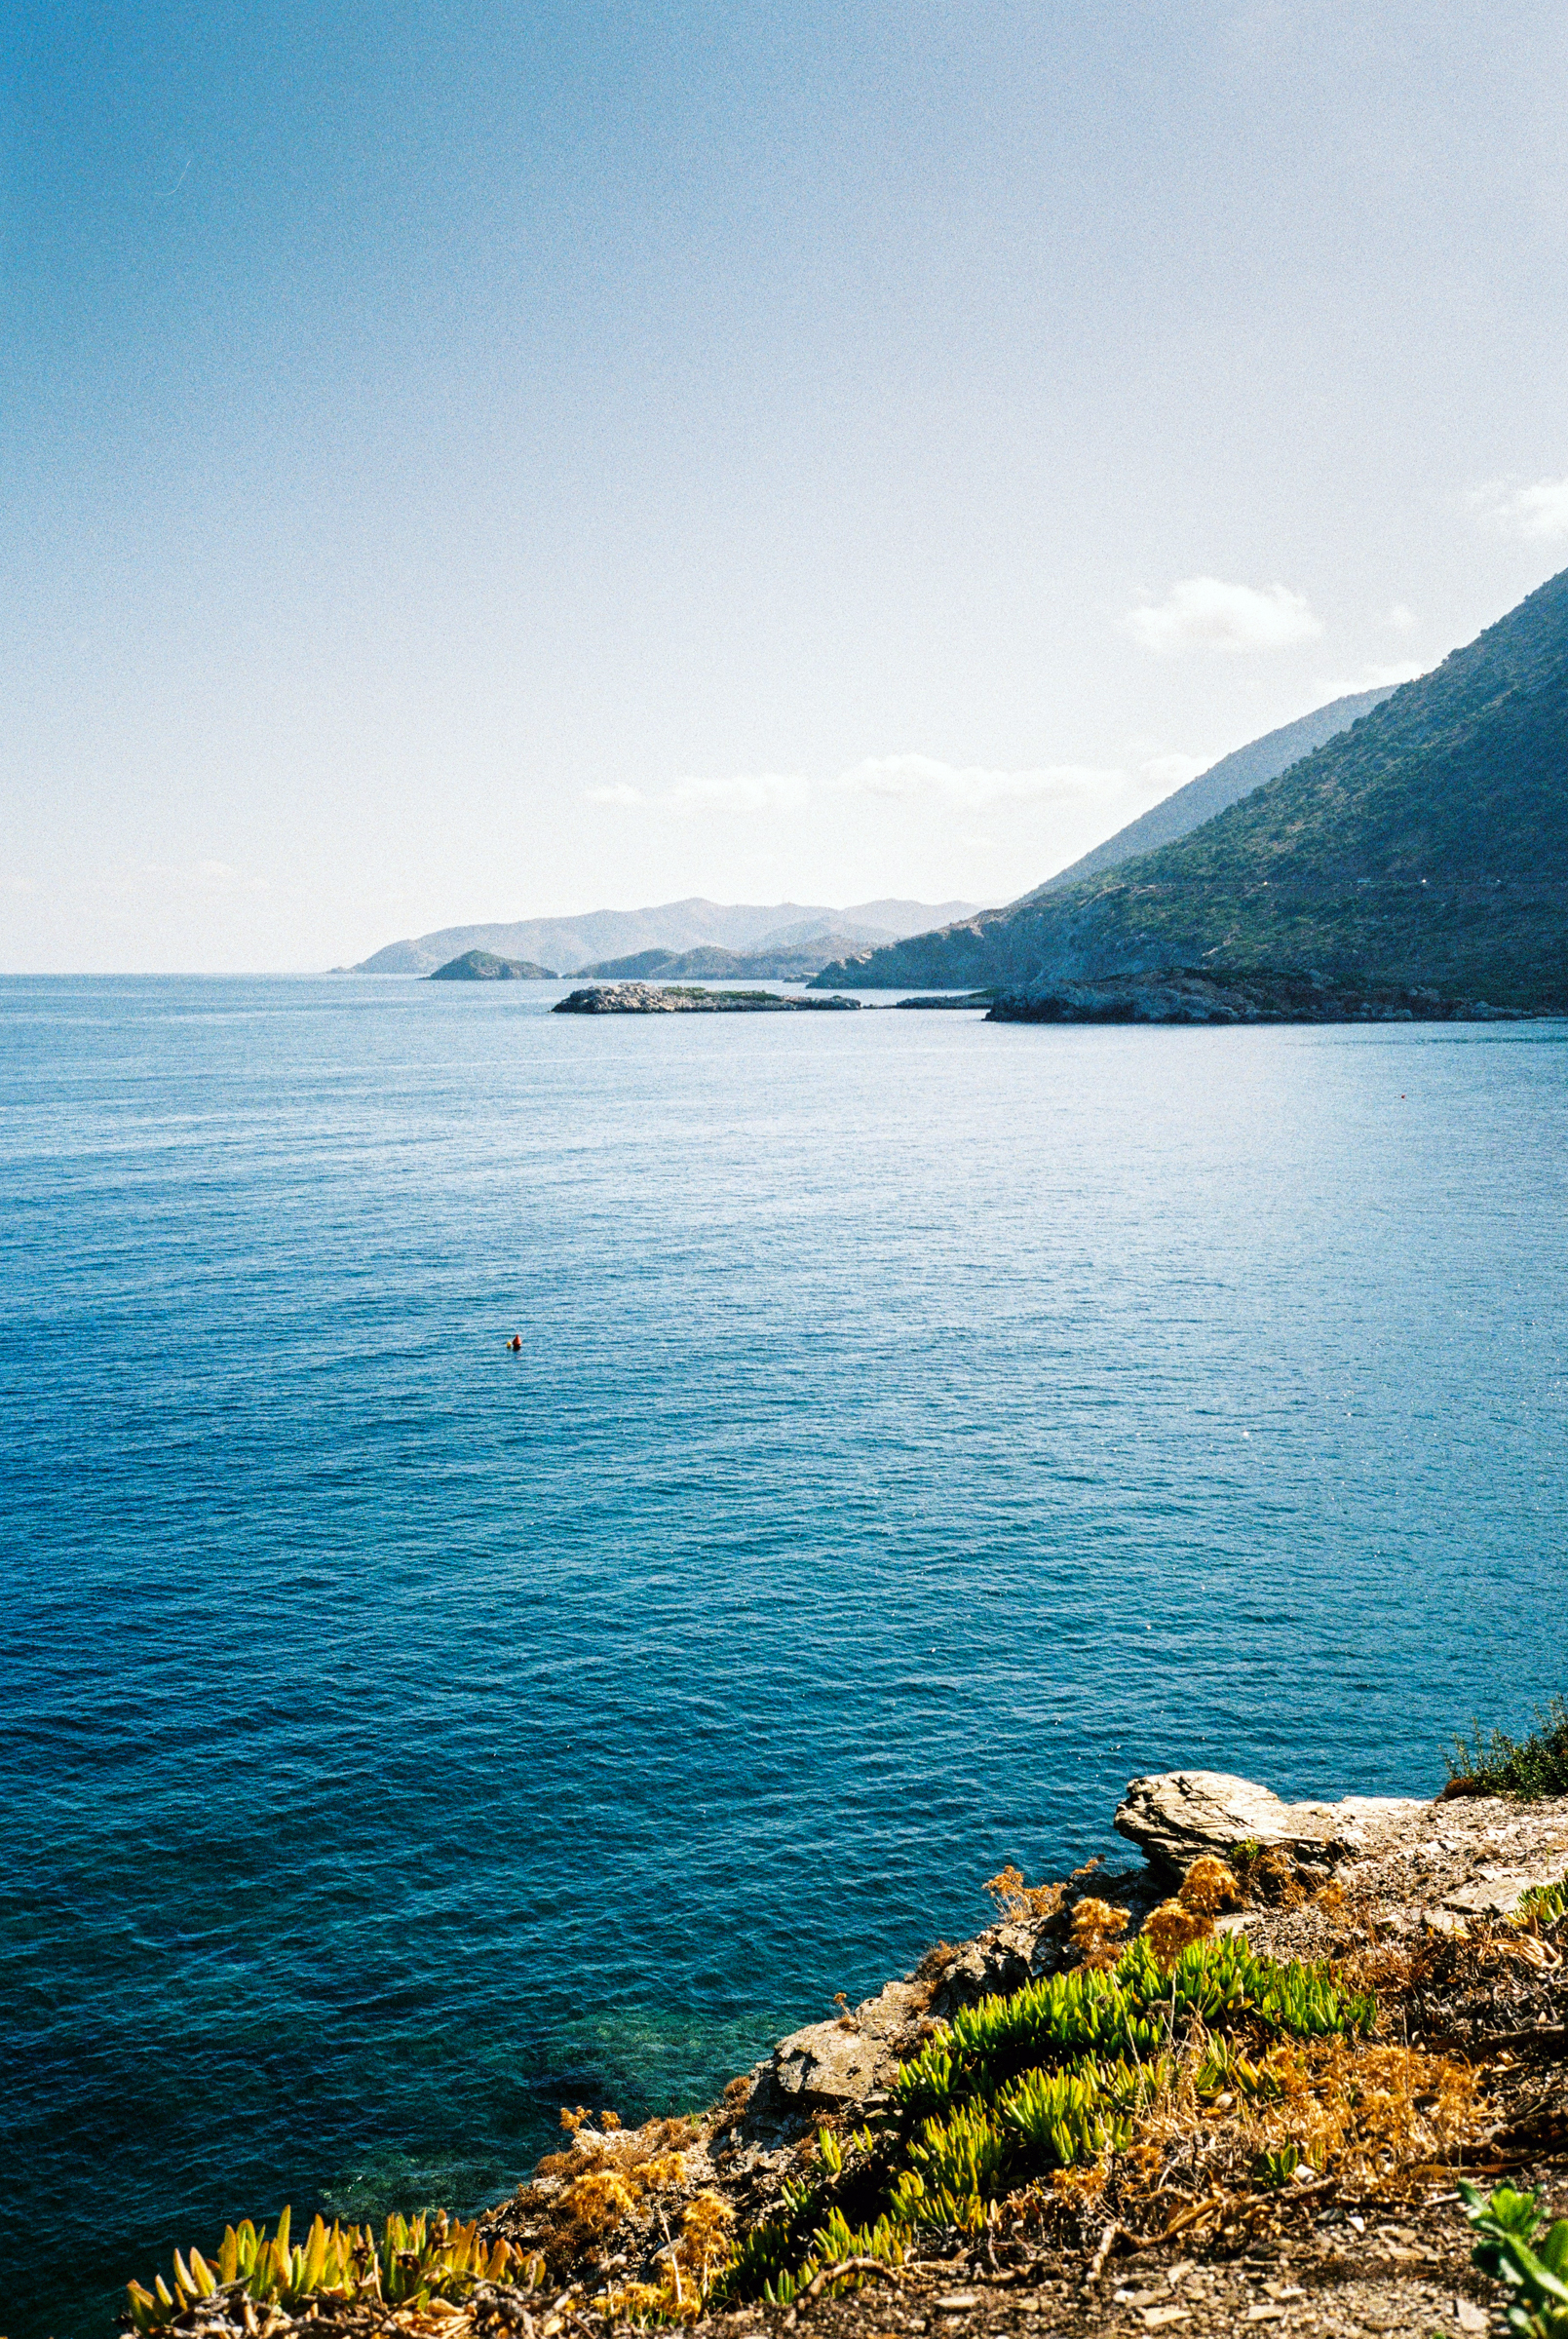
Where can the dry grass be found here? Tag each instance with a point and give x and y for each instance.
(608, 2179)
(687, 2268)
(1207, 1887)
(1016, 1900)
(1377, 2118)
(1095, 1928)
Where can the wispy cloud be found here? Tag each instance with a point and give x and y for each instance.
(1537, 512)
(1204, 613)
(1373, 678)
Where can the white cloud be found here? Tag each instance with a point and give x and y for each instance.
(1202, 613)
(1537, 512)
(1401, 619)
(970, 786)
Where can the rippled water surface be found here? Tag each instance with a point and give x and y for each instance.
(921, 1428)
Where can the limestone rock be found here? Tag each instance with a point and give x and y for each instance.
(1002, 1958)
(1177, 1815)
(1498, 1893)
(830, 2062)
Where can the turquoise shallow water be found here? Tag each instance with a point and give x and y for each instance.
(922, 1428)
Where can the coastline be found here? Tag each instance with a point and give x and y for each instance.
(1439, 2048)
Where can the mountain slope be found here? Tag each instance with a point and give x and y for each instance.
(1428, 844)
(571, 943)
(1223, 784)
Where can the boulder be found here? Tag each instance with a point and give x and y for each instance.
(1177, 1815)
(829, 2062)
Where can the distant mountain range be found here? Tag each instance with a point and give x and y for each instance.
(771, 960)
(1425, 845)
(604, 937)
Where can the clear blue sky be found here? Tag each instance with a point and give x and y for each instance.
(472, 462)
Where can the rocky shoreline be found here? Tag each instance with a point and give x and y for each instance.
(1452, 2064)
(1416, 1894)
(1183, 996)
(1191, 996)
(676, 999)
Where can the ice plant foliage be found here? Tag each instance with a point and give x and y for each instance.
(1531, 2266)
(1048, 2079)
(1543, 1904)
(418, 2260)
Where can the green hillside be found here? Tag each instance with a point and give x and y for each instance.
(484, 966)
(1224, 784)
(1428, 844)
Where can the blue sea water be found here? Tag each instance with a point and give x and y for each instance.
(921, 1428)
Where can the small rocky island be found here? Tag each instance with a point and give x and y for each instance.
(484, 966)
(688, 999)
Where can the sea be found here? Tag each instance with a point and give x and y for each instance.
(921, 1427)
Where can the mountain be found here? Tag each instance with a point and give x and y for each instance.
(482, 966)
(572, 943)
(1223, 784)
(835, 926)
(771, 960)
(1426, 845)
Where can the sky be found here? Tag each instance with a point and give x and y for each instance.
(463, 463)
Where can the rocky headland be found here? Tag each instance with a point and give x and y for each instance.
(1192, 996)
(1422, 845)
(1238, 2084)
(779, 962)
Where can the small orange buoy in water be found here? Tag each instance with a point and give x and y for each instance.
(515, 1344)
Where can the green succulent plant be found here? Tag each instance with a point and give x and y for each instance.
(418, 2260)
(1048, 2077)
(1532, 2268)
(1545, 1903)
(1491, 1762)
